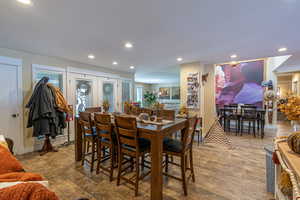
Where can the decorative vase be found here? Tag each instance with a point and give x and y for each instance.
(294, 142)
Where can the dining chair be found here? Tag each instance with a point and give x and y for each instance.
(130, 145)
(182, 149)
(166, 114)
(93, 109)
(89, 138)
(231, 114)
(249, 114)
(198, 130)
(106, 139)
(146, 110)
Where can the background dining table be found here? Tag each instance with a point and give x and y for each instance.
(155, 133)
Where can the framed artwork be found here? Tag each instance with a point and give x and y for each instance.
(175, 93)
(240, 83)
(164, 93)
(193, 90)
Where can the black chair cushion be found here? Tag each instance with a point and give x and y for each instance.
(172, 145)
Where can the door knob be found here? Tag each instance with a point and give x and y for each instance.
(15, 115)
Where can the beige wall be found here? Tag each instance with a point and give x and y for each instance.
(207, 92)
(28, 59)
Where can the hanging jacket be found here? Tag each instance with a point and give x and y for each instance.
(43, 114)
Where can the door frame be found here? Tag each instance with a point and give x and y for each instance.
(14, 62)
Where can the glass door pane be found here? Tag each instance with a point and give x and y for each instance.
(125, 92)
(108, 94)
(83, 95)
(54, 77)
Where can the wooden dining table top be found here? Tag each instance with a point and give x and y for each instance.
(149, 127)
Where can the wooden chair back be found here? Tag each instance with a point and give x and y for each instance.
(127, 132)
(85, 123)
(93, 109)
(168, 115)
(146, 110)
(189, 133)
(103, 126)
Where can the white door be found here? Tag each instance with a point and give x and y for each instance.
(10, 118)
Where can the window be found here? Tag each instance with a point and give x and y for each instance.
(139, 95)
(55, 78)
(83, 95)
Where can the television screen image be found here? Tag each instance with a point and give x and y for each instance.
(240, 83)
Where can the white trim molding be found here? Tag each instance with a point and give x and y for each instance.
(92, 73)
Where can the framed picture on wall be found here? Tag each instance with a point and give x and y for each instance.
(164, 93)
(240, 83)
(193, 90)
(175, 93)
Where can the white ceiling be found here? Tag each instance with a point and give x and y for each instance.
(161, 30)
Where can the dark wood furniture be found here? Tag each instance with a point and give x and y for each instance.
(89, 139)
(10, 144)
(93, 109)
(199, 130)
(184, 150)
(155, 133)
(166, 114)
(106, 139)
(130, 145)
(231, 114)
(249, 115)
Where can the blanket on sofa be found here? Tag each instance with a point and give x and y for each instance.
(20, 176)
(27, 191)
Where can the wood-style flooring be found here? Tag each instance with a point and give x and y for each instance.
(221, 174)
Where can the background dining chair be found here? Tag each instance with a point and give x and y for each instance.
(231, 114)
(131, 145)
(182, 149)
(89, 138)
(93, 109)
(166, 114)
(249, 115)
(106, 139)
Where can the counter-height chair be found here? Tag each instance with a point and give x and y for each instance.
(166, 114)
(89, 139)
(231, 114)
(106, 140)
(249, 114)
(182, 149)
(130, 145)
(93, 109)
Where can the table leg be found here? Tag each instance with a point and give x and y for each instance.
(78, 141)
(156, 167)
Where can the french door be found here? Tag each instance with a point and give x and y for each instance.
(108, 91)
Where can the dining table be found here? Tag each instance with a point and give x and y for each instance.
(153, 132)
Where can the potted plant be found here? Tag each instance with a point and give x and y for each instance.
(150, 98)
(105, 105)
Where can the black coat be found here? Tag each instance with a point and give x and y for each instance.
(43, 113)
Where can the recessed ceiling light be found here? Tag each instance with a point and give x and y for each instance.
(128, 45)
(26, 2)
(233, 56)
(282, 49)
(131, 67)
(115, 63)
(91, 56)
(179, 59)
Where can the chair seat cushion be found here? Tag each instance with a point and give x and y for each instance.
(172, 145)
